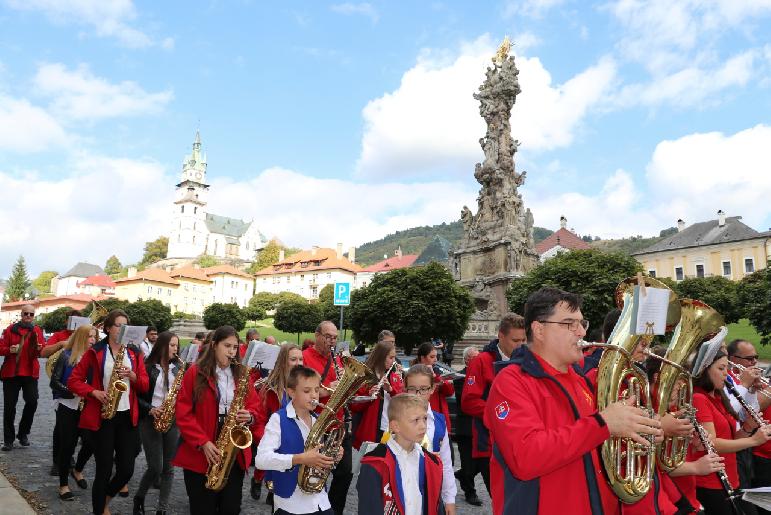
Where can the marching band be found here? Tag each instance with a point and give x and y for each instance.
(558, 424)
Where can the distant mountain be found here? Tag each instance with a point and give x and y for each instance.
(415, 240)
(631, 244)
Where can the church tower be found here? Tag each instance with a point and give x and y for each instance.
(188, 231)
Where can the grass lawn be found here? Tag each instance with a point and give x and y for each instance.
(745, 331)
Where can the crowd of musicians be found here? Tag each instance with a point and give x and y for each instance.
(527, 422)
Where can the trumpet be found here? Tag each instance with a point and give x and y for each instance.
(737, 369)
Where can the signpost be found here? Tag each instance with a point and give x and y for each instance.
(342, 298)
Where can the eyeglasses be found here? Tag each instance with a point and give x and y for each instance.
(421, 391)
(28, 313)
(748, 358)
(572, 325)
(329, 336)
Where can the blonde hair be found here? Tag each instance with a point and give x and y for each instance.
(419, 370)
(77, 343)
(399, 404)
(277, 378)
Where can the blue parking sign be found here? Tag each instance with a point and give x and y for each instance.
(342, 294)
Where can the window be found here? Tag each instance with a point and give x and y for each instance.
(160, 290)
(194, 226)
(194, 238)
(302, 277)
(183, 209)
(195, 209)
(700, 270)
(168, 292)
(679, 273)
(304, 264)
(652, 272)
(727, 269)
(329, 275)
(749, 265)
(287, 278)
(150, 289)
(314, 292)
(186, 287)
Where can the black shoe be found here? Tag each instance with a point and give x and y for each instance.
(256, 489)
(124, 494)
(24, 441)
(54, 470)
(473, 500)
(67, 496)
(269, 499)
(139, 506)
(7, 447)
(82, 483)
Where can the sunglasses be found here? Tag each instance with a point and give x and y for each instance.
(28, 313)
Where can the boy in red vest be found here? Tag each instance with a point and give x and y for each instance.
(400, 477)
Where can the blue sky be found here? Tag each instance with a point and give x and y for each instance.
(344, 121)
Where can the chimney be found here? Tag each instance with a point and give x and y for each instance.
(132, 272)
(339, 251)
(352, 254)
(399, 252)
(721, 218)
(314, 249)
(280, 255)
(563, 222)
(680, 225)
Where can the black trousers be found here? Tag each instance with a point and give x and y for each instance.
(67, 421)
(761, 476)
(714, 502)
(208, 502)
(11, 388)
(470, 466)
(114, 443)
(342, 475)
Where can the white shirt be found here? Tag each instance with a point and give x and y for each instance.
(750, 398)
(384, 415)
(161, 391)
(409, 466)
(226, 387)
(449, 488)
(146, 347)
(109, 361)
(268, 459)
(503, 354)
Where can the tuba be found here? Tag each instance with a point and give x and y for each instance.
(232, 438)
(629, 466)
(116, 387)
(697, 322)
(328, 431)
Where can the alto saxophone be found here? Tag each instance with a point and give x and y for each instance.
(116, 387)
(162, 423)
(232, 438)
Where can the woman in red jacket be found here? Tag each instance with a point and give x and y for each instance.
(374, 414)
(116, 437)
(207, 391)
(444, 387)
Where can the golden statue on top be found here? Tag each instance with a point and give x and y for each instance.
(503, 52)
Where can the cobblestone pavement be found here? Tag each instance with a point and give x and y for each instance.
(31, 465)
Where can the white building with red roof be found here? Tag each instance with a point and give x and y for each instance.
(395, 262)
(97, 285)
(563, 240)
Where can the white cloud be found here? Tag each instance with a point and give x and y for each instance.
(80, 95)
(532, 8)
(26, 128)
(690, 178)
(363, 9)
(108, 18)
(431, 124)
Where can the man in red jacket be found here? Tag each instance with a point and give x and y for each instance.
(20, 345)
(479, 379)
(543, 419)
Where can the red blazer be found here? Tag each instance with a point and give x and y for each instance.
(87, 377)
(479, 379)
(267, 405)
(197, 423)
(28, 364)
(368, 428)
(59, 336)
(438, 399)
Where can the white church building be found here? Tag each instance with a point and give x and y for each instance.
(195, 232)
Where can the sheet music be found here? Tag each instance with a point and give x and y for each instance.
(264, 354)
(132, 334)
(758, 496)
(651, 308)
(74, 322)
(343, 348)
(250, 350)
(192, 352)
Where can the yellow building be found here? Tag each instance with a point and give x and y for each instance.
(722, 247)
(151, 283)
(195, 289)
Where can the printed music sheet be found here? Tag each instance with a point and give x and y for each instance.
(132, 334)
(758, 496)
(265, 355)
(74, 322)
(651, 308)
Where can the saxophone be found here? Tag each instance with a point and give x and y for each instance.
(327, 431)
(116, 387)
(232, 438)
(162, 423)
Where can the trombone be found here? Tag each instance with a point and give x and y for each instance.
(738, 369)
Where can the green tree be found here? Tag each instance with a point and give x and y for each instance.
(113, 267)
(294, 316)
(155, 251)
(327, 303)
(254, 313)
(205, 261)
(264, 300)
(267, 256)
(43, 281)
(415, 303)
(591, 273)
(218, 314)
(179, 315)
(18, 282)
(287, 296)
(720, 293)
(56, 320)
(754, 292)
(150, 312)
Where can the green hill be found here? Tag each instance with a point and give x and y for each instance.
(415, 240)
(631, 244)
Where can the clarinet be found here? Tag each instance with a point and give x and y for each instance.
(690, 414)
(749, 409)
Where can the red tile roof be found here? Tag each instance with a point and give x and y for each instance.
(189, 272)
(156, 275)
(392, 263)
(105, 281)
(306, 261)
(563, 238)
(76, 298)
(225, 270)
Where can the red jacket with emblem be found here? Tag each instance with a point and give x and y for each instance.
(438, 400)
(87, 377)
(479, 379)
(368, 427)
(197, 423)
(28, 364)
